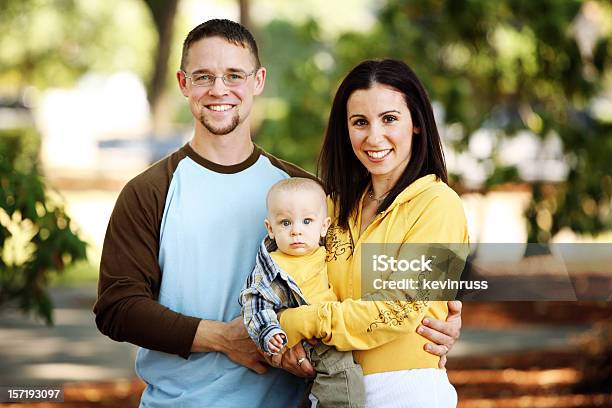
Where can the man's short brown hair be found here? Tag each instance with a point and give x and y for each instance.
(230, 30)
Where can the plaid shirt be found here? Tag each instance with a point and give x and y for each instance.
(267, 290)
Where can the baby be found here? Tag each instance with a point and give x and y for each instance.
(293, 275)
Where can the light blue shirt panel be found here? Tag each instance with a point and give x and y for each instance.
(211, 229)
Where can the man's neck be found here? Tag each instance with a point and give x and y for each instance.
(226, 150)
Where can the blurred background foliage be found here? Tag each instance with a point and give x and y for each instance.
(506, 66)
(52, 43)
(36, 239)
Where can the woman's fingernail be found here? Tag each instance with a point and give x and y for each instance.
(428, 347)
(426, 321)
(420, 330)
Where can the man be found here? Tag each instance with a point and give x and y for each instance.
(183, 237)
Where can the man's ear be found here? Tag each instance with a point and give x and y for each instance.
(260, 81)
(182, 82)
(269, 228)
(325, 226)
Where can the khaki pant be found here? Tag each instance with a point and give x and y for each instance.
(339, 380)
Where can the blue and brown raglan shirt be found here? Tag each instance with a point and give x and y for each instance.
(180, 244)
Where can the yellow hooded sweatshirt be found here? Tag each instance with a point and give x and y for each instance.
(382, 334)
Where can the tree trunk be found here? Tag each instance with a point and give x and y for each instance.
(245, 15)
(163, 13)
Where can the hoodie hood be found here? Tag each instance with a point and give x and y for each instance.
(417, 187)
(427, 183)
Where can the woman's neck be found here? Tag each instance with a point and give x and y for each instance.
(381, 185)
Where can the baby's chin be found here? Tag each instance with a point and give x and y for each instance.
(299, 251)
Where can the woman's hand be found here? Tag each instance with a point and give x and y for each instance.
(442, 334)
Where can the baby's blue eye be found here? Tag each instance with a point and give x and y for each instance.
(307, 221)
(285, 223)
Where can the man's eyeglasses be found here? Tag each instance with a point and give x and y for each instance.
(229, 79)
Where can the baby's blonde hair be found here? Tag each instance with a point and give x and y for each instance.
(295, 184)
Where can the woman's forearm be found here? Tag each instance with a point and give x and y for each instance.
(353, 324)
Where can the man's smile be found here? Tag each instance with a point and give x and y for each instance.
(220, 107)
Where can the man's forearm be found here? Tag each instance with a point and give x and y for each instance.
(231, 339)
(210, 336)
(146, 323)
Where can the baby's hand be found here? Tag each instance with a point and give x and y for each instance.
(275, 345)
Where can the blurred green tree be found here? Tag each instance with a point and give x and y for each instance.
(52, 43)
(36, 239)
(299, 67)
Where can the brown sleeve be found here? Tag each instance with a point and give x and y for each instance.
(130, 276)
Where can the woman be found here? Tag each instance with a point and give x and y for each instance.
(382, 165)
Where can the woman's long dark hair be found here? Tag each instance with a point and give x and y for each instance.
(344, 177)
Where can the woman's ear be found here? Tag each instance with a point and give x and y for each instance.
(416, 130)
(269, 228)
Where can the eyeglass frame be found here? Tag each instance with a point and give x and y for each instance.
(214, 78)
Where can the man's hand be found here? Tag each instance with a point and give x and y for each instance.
(442, 334)
(295, 361)
(230, 339)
